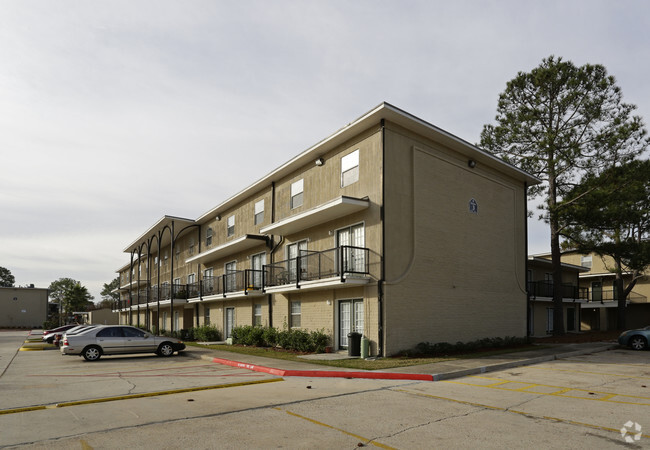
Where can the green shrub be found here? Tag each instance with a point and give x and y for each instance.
(207, 333)
(319, 340)
(270, 336)
(445, 348)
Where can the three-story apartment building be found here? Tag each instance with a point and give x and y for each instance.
(390, 227)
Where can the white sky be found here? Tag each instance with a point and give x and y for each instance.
(113, 114)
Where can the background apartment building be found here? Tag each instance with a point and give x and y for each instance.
(390, 227)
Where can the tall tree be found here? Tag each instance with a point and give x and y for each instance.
(109, 297)
(560, 122)
(6, 278)
(59, 288)
(609, 215)
(77, 298)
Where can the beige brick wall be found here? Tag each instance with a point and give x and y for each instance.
(451, 275)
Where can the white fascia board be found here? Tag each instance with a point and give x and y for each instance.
(240, 244)
(334, 209)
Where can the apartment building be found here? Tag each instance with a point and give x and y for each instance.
(598, 284)
(540, 295)
(390, 227)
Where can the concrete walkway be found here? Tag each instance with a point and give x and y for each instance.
(429, 372)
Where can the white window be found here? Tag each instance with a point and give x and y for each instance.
(164, 324)
(257, 316)
(191, 278)
(586, 261)
(296, 193)
(295, 314)
(191, 247)
(206, 315)
(231, 225)
(230, 269)
(208, 281)
(257, 264)
(208, 237)
(350, 168)
(293, 252)
(259, 212)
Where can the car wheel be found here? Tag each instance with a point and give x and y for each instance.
(165, 349)
(50, 340)
(638, 343)
(92, 353)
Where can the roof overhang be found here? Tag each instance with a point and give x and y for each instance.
(548, 263)
(238, 245)
(334, 209)
(384, 111)
(160, 230)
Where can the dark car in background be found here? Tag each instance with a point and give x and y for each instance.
(50, 335)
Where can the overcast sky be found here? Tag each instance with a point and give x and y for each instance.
(113, 114)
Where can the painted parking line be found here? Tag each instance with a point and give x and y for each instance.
(134, 396)
(513, 411)
(365, 441)
(204, 370)
(588, 372)
(552, 390)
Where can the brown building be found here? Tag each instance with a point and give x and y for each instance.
(390, 227)
(23, 307)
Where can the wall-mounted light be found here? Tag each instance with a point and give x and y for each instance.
(471, 163)
(320, 161)
(218, 218)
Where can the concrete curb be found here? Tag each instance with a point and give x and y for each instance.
(405, 376)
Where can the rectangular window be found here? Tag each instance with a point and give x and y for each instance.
(293, 252)
(231, 226)
(208, 237)
(296, 193)
(295, 314)
(259, 212)
(230, 269)
(206, 315)
(257, 315)
(164, 324)
(257, 265)
(350, 168)
(208, 281)
(586, 261)
(191, 247)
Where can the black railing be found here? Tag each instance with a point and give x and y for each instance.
(544, 288)
(315, 265)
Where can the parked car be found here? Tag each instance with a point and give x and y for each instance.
(118, 339)
(636, 339)
(50, 335)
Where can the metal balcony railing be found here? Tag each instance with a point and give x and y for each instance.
(318, 265)
(544, 288)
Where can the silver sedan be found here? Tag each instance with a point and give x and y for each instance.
(117, 340)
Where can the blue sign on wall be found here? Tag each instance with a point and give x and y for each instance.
(473, 206)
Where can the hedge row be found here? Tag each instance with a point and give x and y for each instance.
(445, 348)
(288, 339)
(204, 333)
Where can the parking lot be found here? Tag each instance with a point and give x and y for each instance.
(596, 401)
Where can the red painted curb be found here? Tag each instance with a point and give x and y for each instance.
(325, 373)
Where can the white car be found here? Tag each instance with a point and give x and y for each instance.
(116, 340)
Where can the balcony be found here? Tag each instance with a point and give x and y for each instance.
(336, 264)
(544, 288)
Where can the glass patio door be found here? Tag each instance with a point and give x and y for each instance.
(353, 258)
(351, 315)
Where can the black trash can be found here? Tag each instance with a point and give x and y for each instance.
(354, 344)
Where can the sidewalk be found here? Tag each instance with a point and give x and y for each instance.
(427, 372)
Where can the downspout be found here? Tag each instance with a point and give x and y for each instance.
(171, 278)
(380, 284)
(528, 321)
(271, 254)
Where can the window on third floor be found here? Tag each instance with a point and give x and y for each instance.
(208, 237)
(231, 226)
(296, 193)
(259, 212)
(350, 168)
